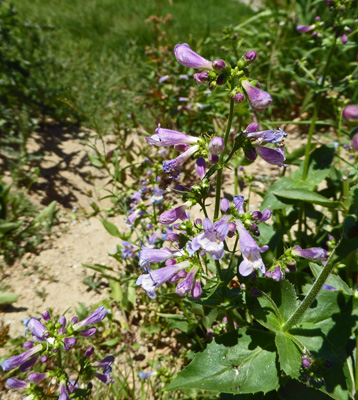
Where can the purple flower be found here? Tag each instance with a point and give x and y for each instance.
(89, 332)
(196, 290)
(190, 59)
(176, 163)
(27, 365)
(239, 204)
(181, 274)
(306, 362)
(97, 316)
(212, 239)
(304, 28)
(277, 274)
(105, 364)
(63, 392)
(167, 137)
(74, 319)
(186, 285)
(145, 375)
(269, 136)
(250, 56)
(200, 167)
(219, 65)
(62, 321)
(157, 255)
(46, 315)
(16, 361)
(272, 156)
(36, 377)
(344, 38)
(216, 146)
(14, 383)
(170, 216)
(314, 253)
(239, 97)
(105, 378)
(253, 127)
(250, 251)
(258, 99)
(202, 78)
(89, 352)
(350, 112)
(128, 251)
(157, 197)
(224, 204)
(163, 78)
(28, 345)
(35, 327)
(151, 281)
(69, 342)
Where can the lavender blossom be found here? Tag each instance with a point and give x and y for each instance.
(28, 345)
(63, 392)
(219, 65)
(36, 377)
(314, 253)
(251, 252)
(167, 137)
(129, 251)
(216, 146)
(187, 57)
(14, 383)
(212, 239)
(169, 217)
(239, 97)
(304, 28)
(36, 327)
(272, 156)
(202, 78)
(46, 315)
(196, 290)
(97, 316)
(258, 99)
(277, 274)
(200, 167)
(350, 112)
(250, 56)
(89, 352)
(176, 163)
(239, 204)
(89, 332)
(151, 281)
(186, 285)
(27, 365)
(157, 197)
(16, 361)
(344, 38)
(224, 204)
(269, 136)
(69, 342)
(253, 127)
(105, 378)
(157, 255)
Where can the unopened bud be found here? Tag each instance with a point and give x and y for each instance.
(250, 56)
(239, 97)
(216, 146)
(219, 65)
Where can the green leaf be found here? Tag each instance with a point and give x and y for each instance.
(332, 280)
(271, 201)
(111, 342)
(7, 298)
(94, 160)
(243, 361)
(111, 228)
(297, 195)
(290, 356)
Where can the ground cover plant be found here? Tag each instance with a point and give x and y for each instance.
(255, 296)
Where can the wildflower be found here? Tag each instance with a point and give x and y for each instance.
(151, 281)
(239, 97)
(239, 204)
(304, 28)
(35, 327)
(14, 383)
(129, 250)
(344, 38)
(251, 252)
(250, 56)
(145, 375)
(196, 290)
(202, 78)
(314, 253)
(272, 156)
(97, 316)
(269, 136)
(216, 146)
(169, 217)
(157, 197)
(167, 137)
(89, 332)
(219, 65)
(187, 57)
(186, 285)
(277, 274)
(350, 112)
(200, 167)
(63, 392)
(212, 239)
(157, 255)
(224, 204)
(36, 377)
(176, 163)
(258, 99)
(16, 361)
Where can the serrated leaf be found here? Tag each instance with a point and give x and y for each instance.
(290, 356)
(243, 361)
(296, 195)
(332, 280)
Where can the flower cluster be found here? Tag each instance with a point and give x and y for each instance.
(49, 339)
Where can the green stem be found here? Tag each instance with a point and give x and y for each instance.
(312, 294)
(315, 115)
(356, 371)
(220, 171)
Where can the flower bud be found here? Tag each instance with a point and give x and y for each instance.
(224, 204)
(239, 97)
(46, 315)
(216, 146)
(198, 221)
(200, 167)
(219, 65)
(221, 79)
(196, 290)
(250, 56)
(213, 158)
(344, 38)
(212, 85)
(258, 99)
(28, 345)
(350, 112)
(36, 377)
(201, 78)
(253, 127)
(14, 383)
(89, 352)
(187, 57)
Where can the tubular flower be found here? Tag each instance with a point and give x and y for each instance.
(250, 251)
(304, 28)
(350, 112)
(187, 57)
(212, 239)
(157, 255)
(151, 281)
(258, 99)
(16, 361)
(97, 316)
(314, 253)
(170, 216)
(186, 285)
(14, 383)
(173, 165)
(167, 137)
